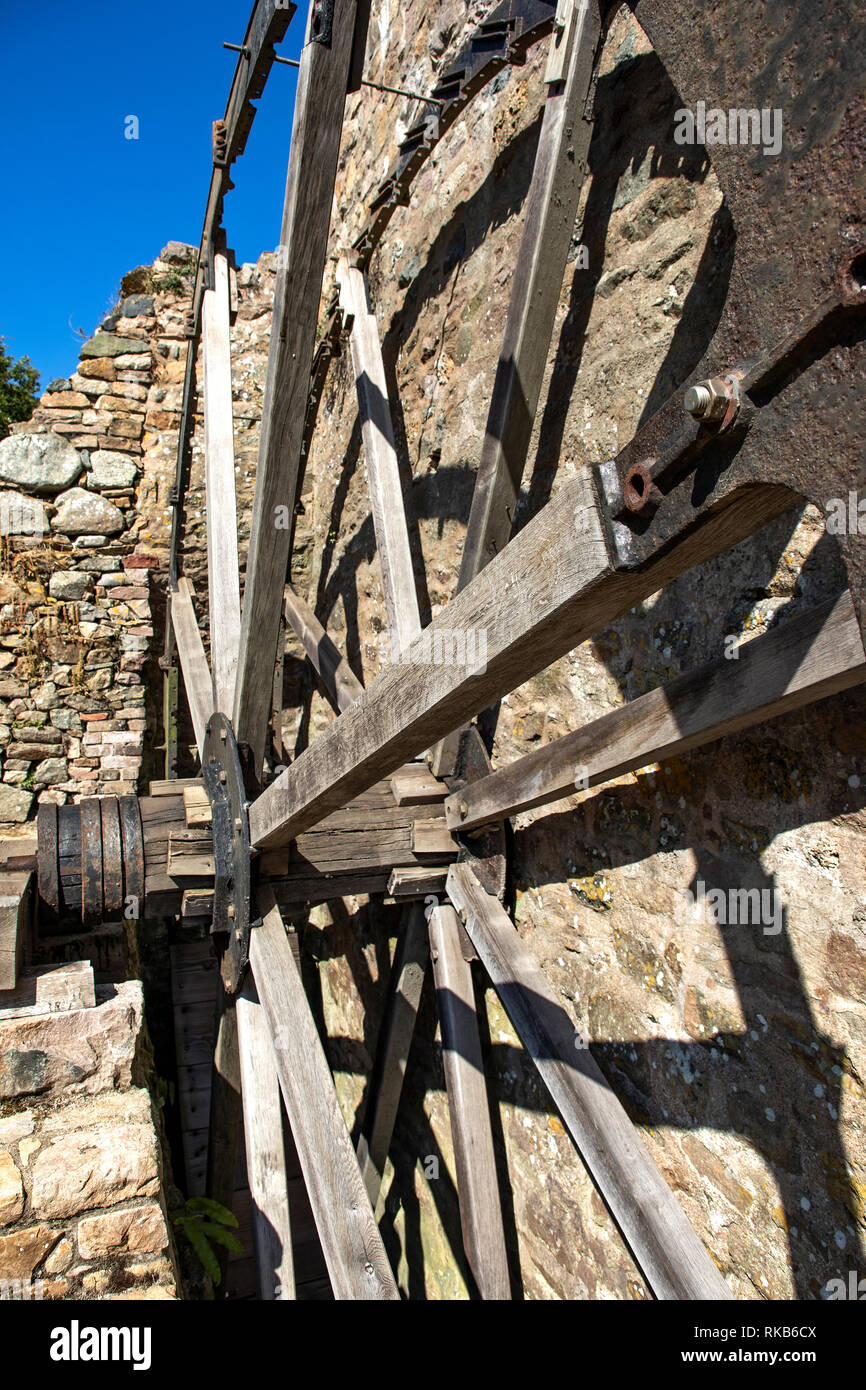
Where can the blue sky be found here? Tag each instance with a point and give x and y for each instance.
(82, 204)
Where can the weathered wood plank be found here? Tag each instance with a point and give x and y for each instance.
(339, 680)
(392, 1047)
(190, 854)
(416, 883)
(267, 26)
(225, 1103)
(315, 146)
(196, 806)
(265, 1153)
(807, 659)
(415, 785)
(50, 989)
(550, 589)
(16, 907)
(548, 225)
(355, 1256)
(380, 455)
(433, 837)
(173, 786)
(197, 902)
(662, 1240)
(224, 587)
(471, 1133)
(193, 662)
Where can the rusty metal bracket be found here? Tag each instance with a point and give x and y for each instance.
(223, 776)
(725, 435)
(704, 473)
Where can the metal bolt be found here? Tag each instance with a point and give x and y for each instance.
(223, 777)
(697, 401)
(238, 824)
(712, 399)
(231, 911)
(464, 810)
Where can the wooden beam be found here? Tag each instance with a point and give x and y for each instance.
(265, 1150)
(417, 882)
(392, 1047)
(550, 589)
(468, 1108)
(353, 1250)
(16, 910)
(432, 837)
(267, 26)
(380, 454)
(225, 1106)
(548, 226)
(50, 989)
(414, 785)
(224, 588)
(338, 679)
(315, 147)
(662, 1240)
(806, 659)
(193, 662)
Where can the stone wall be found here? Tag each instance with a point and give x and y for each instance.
(76, 616)
(81, 1170)
(85, 518)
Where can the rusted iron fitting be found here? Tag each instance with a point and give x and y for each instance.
(639, 492)
(714, 401)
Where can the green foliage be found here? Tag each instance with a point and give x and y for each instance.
(165, 1092)
(202, 1221)
(176, 280)
(19, 389)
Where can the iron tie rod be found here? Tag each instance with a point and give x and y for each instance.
(378, 86)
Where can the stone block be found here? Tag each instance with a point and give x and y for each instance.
(135, 1231)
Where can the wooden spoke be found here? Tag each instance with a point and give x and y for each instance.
(807, 659)
(658, 1233)
(224, 593)
(383, 473)
(225, 1105)
(338, 679)
(268, 24)
(550, 589)
(355, 1256)
(265, 1151)
(548, 226)
(316, 130)
(193, 662)
(477, 1182)
(392, 1048)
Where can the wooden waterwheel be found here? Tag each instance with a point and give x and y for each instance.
(772, 413)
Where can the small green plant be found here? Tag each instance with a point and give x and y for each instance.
(165, 1092)
(202, 1221)
(28, 782)
(176, 281)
